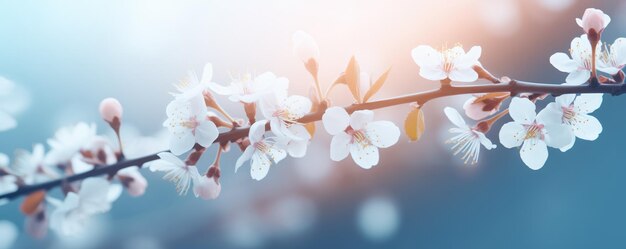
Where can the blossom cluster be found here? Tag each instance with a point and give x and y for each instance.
(280, 125)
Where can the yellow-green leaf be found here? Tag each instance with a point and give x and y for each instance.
(31, 202)
(376, 86)
(310, 127)
(353, 78)
(414, 123)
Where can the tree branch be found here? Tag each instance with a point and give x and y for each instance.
(514, 87)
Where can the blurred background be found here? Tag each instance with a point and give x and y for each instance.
(68, 55)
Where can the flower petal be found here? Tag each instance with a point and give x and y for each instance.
(335, 120)
(339, 146)
(365, 156)
(207, 74)
(454, 117)
(382, 134)
(245, 156)
(563, 63)
(206, 133)
(256, 131)
(6, 121)
(426, 56)
(552, 113)
(298, 105)
(260, 166)
(557, 135)
(181, 142)
(359, 119)
(586, 127)
(578, 77)
(432, 73)
(512, 134)
(522, 110)
(463, 75)
(534, 153)
(565, 100)
(587, 103)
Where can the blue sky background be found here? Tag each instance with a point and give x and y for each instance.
(71, 54)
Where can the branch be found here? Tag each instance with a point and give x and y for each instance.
(514, 87)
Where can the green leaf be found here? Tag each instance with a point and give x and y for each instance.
(376, 86)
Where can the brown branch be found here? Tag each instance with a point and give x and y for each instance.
(514, 87)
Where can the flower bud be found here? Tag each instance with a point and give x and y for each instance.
(207, 187)
(593, 22)
(133, 181)
(110, 109)
(305, 47)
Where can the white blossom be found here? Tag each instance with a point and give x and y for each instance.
(94, 197)
(533, 132)
(579, 66)
(574, 112)
(613, 58)
(468, 139)
(8, 234)
(192, 87)
(188, 123)
(30, 165)
(263, 151)
(358, 135)
(453, 63)
(249, 90)
(175, 170)
(68, 141)
(283, 112)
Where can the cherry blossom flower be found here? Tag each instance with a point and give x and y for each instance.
(613, 58)
(188, 123)
(358, 135)
(248, 90)
(284, 112)
(579, 66)
(68, 141)
(94, 197)
(263, 152)
(593, 19)
(453, 63)
(30, 166)
(574, 112)
(296, 147)
(192, 87)
(468, 140)
(133, 181)
(175, 170)
(533, 132)
(484, 105)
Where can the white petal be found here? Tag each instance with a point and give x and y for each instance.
(260, 166)
(563, 63)
(339, 146)
(426, 55)
(206, 133)
(182, 142)
(256, 131)
(464, 75)
(512, 134)
(207, 74)
(298, 105)
(245, 156)
(382, 134)
(552, 113)
(364, 156)
(565, 100)
(587, 103)
(6, 121)
(534, 153)
(557, 135)
(570, 145)
(359, 119)
(432, 73)
(578, 77)
(454, 117)
(219, 89)
(485, 141)
(586, 127)
(522, 110)
(335, 120)
(468, 60)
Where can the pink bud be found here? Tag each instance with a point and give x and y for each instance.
(110, 109)
(207, 188)
(133, 181)
(593, 19)
(483, 105)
